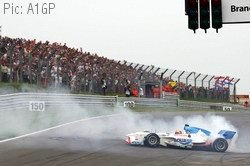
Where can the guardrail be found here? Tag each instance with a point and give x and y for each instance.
(24, 100)
(34, 100)
(208, 105)
(150, 102)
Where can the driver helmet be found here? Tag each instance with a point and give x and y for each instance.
(178, 131)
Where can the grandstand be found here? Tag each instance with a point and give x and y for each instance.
(59, 66)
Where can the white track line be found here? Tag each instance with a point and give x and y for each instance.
(55, 127)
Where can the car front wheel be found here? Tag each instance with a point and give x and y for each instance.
(152, 140)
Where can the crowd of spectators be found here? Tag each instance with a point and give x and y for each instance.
(214, 93)
(57, 65)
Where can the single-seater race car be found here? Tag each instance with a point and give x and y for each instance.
(190, 138)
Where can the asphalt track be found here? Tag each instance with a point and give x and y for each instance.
(82, 144)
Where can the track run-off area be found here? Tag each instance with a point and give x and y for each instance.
(99, 140)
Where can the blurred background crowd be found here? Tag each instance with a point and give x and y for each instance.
(57, 65)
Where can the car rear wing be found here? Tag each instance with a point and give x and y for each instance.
(227, 134)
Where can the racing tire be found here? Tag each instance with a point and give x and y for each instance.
(152, 140)
(220, 145)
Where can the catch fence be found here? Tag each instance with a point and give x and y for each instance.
(50, 70)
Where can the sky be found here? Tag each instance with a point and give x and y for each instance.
(151, 32)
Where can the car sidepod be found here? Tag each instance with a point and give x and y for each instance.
(181, 141)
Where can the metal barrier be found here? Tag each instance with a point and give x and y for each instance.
(184, 104)
(22, 101)
(150, 102)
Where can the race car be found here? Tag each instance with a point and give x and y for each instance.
(189, 138)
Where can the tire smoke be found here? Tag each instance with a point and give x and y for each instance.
(93, 133)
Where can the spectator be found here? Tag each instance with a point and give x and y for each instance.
(246, 104)
(134, 90)
(141, 92)
(127, 89)
(104, 85)
(156, 91)
(4, 70)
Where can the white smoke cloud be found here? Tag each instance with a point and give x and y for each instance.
(97, 130)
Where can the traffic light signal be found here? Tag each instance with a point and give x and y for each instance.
(192, 12)
(204, 14)
(216, 14)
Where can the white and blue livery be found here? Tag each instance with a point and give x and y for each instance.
(190, 138)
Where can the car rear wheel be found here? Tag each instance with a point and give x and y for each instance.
(220, 145)
(152, 140)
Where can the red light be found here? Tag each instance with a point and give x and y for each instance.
(192, 3)
(216, 2)
(204, 2)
